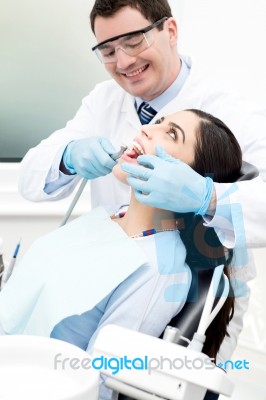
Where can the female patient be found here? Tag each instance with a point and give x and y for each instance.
(144, 295)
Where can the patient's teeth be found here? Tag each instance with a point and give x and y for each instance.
(137, 147)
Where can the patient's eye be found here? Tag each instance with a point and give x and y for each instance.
(172, 133)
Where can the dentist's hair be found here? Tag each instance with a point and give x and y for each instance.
(152, 10)
(218, 155)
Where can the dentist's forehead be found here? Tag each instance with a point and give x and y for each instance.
(125, 20)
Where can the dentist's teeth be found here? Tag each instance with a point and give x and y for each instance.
(136, 72)
(137, 147)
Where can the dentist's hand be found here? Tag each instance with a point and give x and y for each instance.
(89, 158)
(169, 184)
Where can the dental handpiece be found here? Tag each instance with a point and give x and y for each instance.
(118, 154)
(114, 156)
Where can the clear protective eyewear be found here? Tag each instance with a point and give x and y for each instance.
(132, 43)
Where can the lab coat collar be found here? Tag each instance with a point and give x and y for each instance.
(128, 107)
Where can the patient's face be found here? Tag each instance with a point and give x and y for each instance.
(176, 134)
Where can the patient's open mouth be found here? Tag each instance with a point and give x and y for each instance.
(135, 150)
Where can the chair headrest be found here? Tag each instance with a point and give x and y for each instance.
(248, 171)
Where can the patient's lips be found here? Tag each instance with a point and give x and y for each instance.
(136, 149)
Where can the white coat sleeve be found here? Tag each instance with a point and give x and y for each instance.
(43, 160)
(240, 217)
(252, 213)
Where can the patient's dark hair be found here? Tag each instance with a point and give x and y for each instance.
(152, 10)
(217, 152)
(218, 155)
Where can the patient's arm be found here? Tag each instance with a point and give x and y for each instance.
(78, 329)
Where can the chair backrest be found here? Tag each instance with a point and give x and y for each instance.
(188, 319)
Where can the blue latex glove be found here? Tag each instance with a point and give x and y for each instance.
(169, 184)
(89, 158)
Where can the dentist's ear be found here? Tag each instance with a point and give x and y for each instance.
(173, 30)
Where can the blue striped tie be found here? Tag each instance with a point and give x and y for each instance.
(146, 113)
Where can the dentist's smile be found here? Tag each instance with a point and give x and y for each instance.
(135, 73)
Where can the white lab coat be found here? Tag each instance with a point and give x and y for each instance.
(109, 111)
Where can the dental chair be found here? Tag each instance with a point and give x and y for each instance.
(188, 319)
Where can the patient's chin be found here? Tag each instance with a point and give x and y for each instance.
(119, 173)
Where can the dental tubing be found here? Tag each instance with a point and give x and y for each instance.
(115, 156)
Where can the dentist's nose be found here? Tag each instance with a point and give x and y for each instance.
(123, 59)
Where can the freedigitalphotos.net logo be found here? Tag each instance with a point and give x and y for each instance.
(115, 365)
(234, 365)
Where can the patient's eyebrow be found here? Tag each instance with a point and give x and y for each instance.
(159, 120)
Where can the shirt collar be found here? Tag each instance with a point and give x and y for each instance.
(169, 94)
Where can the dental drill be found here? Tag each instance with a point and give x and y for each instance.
(115, 156)
(118, 154)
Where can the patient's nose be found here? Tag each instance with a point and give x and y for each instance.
(147, 131)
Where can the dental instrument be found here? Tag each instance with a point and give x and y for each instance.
(119, 153)
(115, 156)
(9, 268)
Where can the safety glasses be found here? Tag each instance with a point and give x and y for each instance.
(132, 43)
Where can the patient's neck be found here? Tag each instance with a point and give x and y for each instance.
(140, 217)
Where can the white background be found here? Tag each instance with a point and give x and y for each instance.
(227, 39)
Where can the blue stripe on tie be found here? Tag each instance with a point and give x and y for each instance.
(146, 113)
